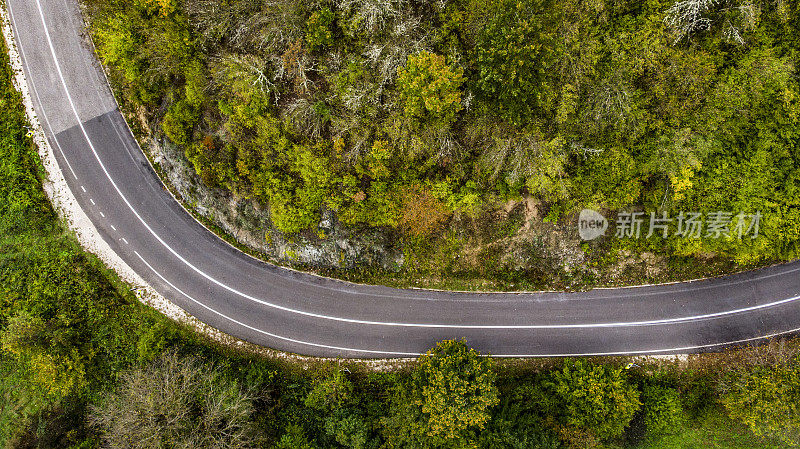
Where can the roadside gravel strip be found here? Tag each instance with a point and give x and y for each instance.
(65, 203)
(71, 213)
(110, 196)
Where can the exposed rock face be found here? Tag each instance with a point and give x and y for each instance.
(548, 251)
(334, 245)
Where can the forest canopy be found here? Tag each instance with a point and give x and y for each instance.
(383, 111)
(84, 365)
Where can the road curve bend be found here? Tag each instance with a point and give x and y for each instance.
(296, 312)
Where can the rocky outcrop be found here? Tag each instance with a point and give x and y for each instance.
(331, 245)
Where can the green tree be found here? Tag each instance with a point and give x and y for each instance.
(767, 400)
(750, 159)
(294, 438)
(334, 397)
(176, 402)
(456, 388)
(318, 29)
(608, 178)
(330, 393)
(662, 408)
(348, 429)
(512, 58)
(429, 88)
(179, 122)
(597, 398)
(449, 397)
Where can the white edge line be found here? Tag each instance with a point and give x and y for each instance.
(356, 321)
(414, 354)
(427, 289)
(673, 320)
(24, 61)
(269, 334)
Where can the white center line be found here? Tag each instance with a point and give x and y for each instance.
(36, 93)
(239, 293)
(92, 201)
(356, 321)
(112, 227)
(414, 354)
(124, 241)
(83, 188)
(102, 215)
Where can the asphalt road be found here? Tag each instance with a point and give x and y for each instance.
(301, 313)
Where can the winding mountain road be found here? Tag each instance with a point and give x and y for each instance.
(291, 311)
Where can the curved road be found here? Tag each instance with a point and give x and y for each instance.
(301, 313)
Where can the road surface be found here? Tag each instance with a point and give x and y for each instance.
(291, 311)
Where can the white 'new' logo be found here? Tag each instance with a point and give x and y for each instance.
(591, 224)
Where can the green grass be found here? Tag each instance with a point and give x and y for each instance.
(44, 270)
(712, 431)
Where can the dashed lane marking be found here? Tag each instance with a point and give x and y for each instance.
(355, 321)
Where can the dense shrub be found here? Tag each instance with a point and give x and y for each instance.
(23, 204)
(319, 33)
(591, 397)
(514, 57)
(662, 408)
(179, 122)
(612, 105)
(766, 399)
(430, 88)
(193, 406)
(511, 427)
